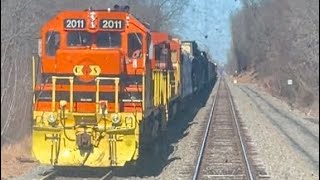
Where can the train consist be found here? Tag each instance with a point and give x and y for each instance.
(106, 86)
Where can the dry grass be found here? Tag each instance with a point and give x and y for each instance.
(246, 77)
(267, 84)
(16, 159)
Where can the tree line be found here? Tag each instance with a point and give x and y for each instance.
(278, 40)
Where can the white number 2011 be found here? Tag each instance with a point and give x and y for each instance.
(73, 23)
(112, 24)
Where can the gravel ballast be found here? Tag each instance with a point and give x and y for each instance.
(286, 142)
(186, 150)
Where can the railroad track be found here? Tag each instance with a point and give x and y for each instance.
(65, 174)
(223, 153)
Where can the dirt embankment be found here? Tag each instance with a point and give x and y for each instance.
(266, 86)
(16, 159)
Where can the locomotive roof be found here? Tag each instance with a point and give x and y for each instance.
(121, 13)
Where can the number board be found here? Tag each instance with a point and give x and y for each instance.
(74, 23)
(111, 24)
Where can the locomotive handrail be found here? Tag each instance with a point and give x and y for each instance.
(54, 79)
(33, 73)
(71, 80)
(132, 100)
(116, 92)
(33, 78)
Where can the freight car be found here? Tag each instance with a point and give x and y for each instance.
(203, 70)
(107, 86)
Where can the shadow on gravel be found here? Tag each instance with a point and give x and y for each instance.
(152, 164)
(83, 172)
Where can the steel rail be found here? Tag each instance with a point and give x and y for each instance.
(204, 141)
(107, 176)
(49, 175)
(244, 151)
(249, 172)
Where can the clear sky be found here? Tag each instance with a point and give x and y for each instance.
(211, 18)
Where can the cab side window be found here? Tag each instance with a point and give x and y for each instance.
(135, 45)
(157, 52)
(52, 43)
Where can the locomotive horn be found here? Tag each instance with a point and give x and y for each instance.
(126, 8)
(116, 7)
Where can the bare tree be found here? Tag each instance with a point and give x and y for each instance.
(280, 41)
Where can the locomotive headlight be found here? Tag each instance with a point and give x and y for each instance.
(51, 118)
(115, 118)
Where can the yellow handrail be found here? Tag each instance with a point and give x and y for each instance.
(71, 95)
(33, 78)
(53, 105)
(97, 95)
(116, 82)
(143, 83)
(54, 80)
(33, 73)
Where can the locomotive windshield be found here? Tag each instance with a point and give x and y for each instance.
(79, 38)
(100, 39)
(108, 39)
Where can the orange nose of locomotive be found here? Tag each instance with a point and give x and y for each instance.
(86, 65)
